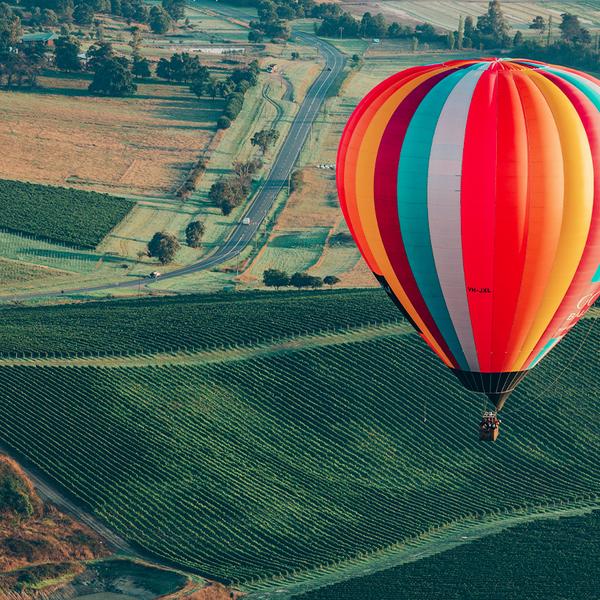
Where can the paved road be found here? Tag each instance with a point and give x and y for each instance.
(264, 198)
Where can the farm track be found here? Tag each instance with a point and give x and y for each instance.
(49, 492)
(223, 355)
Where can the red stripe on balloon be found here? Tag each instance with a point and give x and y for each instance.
(478, 196)
(510, 215)
(386, 201)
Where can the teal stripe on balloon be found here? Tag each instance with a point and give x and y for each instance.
(413, 171)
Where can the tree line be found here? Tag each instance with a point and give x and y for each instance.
(277, 279)
(490, 30)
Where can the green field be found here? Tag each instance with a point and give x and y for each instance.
(58, 214)
(197, 322)
(541, 560)
(286, 462)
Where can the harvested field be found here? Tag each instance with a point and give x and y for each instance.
(140, 146)
(445, 13)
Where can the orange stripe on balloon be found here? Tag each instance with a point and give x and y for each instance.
(545, 193)
(347, 163)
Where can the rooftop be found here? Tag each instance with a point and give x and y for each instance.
(39, 36)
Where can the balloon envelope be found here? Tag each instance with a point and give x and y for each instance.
(472, 189)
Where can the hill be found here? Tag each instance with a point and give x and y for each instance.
(534, 561)
(288, 461)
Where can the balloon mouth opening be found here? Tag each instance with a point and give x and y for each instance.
(496, 386)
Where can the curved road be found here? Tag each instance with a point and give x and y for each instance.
(277, 177)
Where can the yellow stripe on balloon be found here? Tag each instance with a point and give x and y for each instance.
(365, 197)
(577, 210)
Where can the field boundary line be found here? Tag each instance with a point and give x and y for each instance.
(436, 541)
(255, 349)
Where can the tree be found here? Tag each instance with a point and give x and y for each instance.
(193, 234)
(49, 18)
(264, 138)
(331, 280)
(223, 122)
(136, 40)
(98, 53)
(175, 8)
(227, 193)
(159, 20)
(469, 32)
(66, 54)
(256, 36)
(83, 14)
(460, 34)
(10, 28)
(571, 30)
(295, 55)
(538, 23)
(201, 82)
(19, 68)
(373, 26)
(302, 280)
(493, 27)
(163, 246)
(275, 278)
(141, 67)
(296, 180)
(518, 39)
(113, 78)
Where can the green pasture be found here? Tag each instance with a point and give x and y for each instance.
(292, 251)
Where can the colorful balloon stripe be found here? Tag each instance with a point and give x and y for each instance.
(472, 189)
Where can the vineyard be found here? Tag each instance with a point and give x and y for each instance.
(58, 214)
(533, 561)
(187, 322)
(245, 469)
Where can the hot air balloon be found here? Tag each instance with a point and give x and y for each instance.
(472, 189)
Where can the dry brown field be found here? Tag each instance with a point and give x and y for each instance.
(139, 146)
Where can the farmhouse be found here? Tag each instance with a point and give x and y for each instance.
(46, 38)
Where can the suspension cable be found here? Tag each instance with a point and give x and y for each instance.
(563, 371)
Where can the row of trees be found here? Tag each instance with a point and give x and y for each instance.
(184, 67)
(277, 279)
